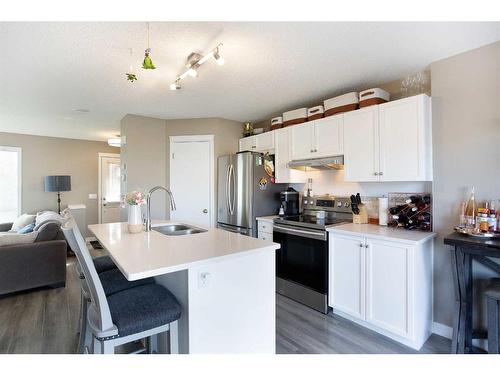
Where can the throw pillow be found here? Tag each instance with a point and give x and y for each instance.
(7, 239)
(22, 221)
(44, 216)
(27, 229)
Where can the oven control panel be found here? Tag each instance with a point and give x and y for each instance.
(327, 203)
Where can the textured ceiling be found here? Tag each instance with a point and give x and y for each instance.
(50, 69)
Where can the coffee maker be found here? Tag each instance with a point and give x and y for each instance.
(290, 201)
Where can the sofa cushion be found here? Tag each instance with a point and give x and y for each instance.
(27, 229)
(48, 231)
(22, 221)
(45, 216)
(7, 239)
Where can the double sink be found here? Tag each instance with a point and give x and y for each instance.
(177, 229)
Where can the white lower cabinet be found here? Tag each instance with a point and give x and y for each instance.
(265, 230)
(384, 285)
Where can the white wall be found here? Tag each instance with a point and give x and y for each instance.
(466, 147)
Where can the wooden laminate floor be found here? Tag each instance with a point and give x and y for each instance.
(46, 321)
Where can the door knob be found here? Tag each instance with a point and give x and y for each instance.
(205, 211)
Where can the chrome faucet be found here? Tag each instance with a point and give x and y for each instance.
(148, 204)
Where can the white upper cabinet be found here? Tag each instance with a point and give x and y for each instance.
(361, 147)
(259, 143)
(329, 136)
(319, 138)
(389, 142)
(248, 143)
(282, 158)
(301, 140)
(265, 142)
(405, 140)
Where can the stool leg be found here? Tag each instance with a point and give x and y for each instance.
(493, 325)
(83, 324)
(174, 337)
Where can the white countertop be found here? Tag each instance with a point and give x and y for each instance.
(148, 254)
(383, 232)
(269, 219)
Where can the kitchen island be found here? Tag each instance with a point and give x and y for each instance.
(225, 283)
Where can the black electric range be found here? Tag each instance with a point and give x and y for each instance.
(302, 260)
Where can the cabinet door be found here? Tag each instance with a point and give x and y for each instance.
(329, 136)
(389, 298)
(282, 158)
(248, 143)
(301, 137)
(347, 274)
(402, 139)
(265, 142)
(361, 145)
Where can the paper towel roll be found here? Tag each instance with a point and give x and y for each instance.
(383, 206)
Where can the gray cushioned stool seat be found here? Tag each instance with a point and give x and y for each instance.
(113, 282)
(142, 308)
(103, 264)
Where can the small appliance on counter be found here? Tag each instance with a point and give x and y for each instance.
(302, 260)
(290, 201)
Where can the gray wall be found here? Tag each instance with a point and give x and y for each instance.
(43, 156)
(146, 152)
(466, 146)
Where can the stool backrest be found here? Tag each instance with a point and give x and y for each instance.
(99, 313)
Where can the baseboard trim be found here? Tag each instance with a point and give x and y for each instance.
(442, 330)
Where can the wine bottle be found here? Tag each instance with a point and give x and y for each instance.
(426, 199)
(470, 210)
(397, 209)
(414, 199)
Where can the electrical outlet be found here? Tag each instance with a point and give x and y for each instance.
(92, 196)
(203, 279)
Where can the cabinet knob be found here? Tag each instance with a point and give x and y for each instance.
(380, 173)
(205, 211)
(361, 245)
(375, 173)
(367, 246)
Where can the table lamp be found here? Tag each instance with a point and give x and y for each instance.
(58, 184)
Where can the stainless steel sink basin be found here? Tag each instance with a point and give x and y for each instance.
(177, 229)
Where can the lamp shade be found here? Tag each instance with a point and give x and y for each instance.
(57, 183)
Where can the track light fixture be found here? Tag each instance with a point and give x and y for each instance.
(194, 61)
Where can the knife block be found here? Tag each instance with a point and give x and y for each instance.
(362, 217)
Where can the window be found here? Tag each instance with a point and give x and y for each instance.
(10, 183)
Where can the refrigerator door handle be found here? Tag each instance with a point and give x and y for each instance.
(227, 188)
(232, 195)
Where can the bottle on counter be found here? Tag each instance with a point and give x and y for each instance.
(463, 218)
(470, 210)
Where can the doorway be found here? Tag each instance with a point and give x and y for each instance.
(192, 179)
(109, 188)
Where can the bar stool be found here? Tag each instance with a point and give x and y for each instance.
(492, 293)
(127, 315)
(112, 280)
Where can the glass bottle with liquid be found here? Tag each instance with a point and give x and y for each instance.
(470, 210)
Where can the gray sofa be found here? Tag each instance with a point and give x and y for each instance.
(28, 266)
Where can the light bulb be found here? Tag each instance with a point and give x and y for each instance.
(220, 61)
(175, 86)
(192, 72)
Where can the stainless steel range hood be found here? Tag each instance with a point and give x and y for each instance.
(329, 163)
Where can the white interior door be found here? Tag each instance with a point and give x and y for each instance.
(191, 165)
(109, 197)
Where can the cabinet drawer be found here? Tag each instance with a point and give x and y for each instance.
(265, 236)
(265, 227)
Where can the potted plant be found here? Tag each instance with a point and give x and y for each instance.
(134, 200)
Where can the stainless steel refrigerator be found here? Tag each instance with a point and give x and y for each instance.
(245, 192)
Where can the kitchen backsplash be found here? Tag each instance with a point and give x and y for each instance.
(332, 182)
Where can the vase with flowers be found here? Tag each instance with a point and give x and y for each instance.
(134, 200)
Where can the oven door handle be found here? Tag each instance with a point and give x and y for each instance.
(319, 235)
